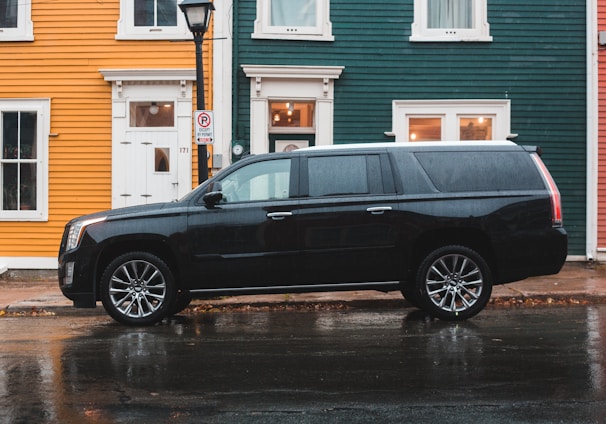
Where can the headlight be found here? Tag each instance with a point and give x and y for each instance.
(76, 230)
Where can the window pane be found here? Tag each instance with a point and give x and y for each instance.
(330, 176)
(155, 12)
(19, 147)
(10, 135)
(8, 13)
(28, 131)
(144, 12)
(292, 114)
(27, 186)
(167, 13)
(268, 180)
(449, 13)
(162, 159)
(152, 114)
(424, 129)
(476, 128)
(293, 13)
(9, 187)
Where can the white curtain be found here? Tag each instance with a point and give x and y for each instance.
(450, 13)
(293, 12)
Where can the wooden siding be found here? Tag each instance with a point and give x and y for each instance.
(74, 39)
(602, 130)
(537, 59)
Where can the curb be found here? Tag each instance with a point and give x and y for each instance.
(202, 306)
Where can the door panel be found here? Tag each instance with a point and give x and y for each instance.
(250, 237)
(347, 220)
(348, 242)
(238, 245)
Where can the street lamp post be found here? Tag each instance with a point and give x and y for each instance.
(197, 14)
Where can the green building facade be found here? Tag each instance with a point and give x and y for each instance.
(330, 72)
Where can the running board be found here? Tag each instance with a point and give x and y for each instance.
(307, 288)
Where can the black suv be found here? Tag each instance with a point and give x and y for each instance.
(441, 222)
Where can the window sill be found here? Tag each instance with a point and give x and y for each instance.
(301, 37)
(156, 37)
(442, 39)
(6, 38)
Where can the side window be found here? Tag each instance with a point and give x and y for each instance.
(151, 20)
(15, 21)
(344, 175)
(450, 20)
(453, 172)
(289, 19)
(267, 180)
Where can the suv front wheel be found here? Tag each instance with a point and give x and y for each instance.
(138, 288)
(454, 283)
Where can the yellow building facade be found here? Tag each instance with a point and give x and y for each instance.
(96, 101)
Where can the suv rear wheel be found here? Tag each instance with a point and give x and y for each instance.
(454, 283)
(138, 288)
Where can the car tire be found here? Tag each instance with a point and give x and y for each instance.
(138, 288)
(454, 283)
(411, 293)
(182, 301)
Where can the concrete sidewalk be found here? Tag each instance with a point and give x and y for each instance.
(578, 280)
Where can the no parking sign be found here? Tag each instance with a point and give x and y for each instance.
(204, 125)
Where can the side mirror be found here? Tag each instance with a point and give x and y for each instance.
(211, 199)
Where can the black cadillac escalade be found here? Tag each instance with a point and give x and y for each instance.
(441, 222)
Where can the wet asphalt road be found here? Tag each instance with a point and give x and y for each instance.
(541, 365)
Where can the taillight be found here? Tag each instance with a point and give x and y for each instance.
(554, 193)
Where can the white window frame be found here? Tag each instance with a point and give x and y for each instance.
(42, 108)
(25, 26)
(321, 32)
(128, 31)
(450, 111)
(479, 33)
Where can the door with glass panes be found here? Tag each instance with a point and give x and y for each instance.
(291, 125)
(148, 154)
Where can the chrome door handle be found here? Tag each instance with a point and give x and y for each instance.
(378, 210)
(278, 216)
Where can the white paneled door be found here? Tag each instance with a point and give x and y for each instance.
(148, 160)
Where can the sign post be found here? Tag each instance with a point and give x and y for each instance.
(204, 126)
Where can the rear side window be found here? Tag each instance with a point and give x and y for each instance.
(344, 175)
(480, 171)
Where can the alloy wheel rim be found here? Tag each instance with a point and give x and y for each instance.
(137, 289)
(454, 283)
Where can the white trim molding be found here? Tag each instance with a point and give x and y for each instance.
(591, 231)
(420, 31)
(166, 74)
(290, 82)
(42, 108)
(222, 80)
(24, 31)
(449, 110)
(174, 85)
(28, 262)
(127, 30)
(322, 31)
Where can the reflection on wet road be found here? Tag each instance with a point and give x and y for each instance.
(522, 365)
